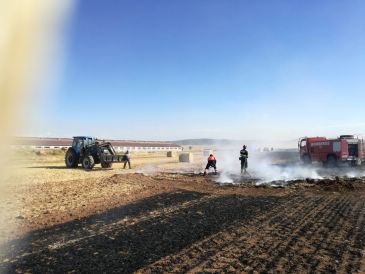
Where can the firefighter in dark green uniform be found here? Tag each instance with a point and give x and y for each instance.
(243, 158)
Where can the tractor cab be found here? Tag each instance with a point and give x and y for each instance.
(80, 142)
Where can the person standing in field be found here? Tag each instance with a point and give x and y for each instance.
(243, 159)
(126, 160)
(212, 162)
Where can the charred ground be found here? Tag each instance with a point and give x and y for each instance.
(188, 223)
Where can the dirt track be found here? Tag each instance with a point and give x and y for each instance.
(174, 223)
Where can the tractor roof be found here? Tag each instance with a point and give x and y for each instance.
(84, 137)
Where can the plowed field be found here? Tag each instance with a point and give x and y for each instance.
(123, 223)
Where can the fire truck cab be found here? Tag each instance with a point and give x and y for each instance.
(332, 152)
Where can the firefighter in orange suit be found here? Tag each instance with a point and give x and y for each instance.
(212, 162)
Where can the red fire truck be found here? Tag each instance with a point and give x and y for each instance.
(332, 152)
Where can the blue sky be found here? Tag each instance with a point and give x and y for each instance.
(211, 69)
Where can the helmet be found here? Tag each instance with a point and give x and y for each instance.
(211, 155)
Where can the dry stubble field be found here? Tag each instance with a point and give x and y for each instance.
(150, 220)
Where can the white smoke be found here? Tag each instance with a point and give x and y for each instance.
(275, 167)
(266, 171)
(263, 167)
(148, 169)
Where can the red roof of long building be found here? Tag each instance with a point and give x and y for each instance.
(38, 141)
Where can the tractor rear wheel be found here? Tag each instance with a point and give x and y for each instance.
(71, 159)
(88, 162)
(106, 165)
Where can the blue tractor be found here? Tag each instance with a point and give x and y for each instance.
(89, 151)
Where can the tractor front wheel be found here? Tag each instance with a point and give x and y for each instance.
(88, 162)
(71, 159)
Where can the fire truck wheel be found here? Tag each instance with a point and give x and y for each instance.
(307, 160)
(331, 161)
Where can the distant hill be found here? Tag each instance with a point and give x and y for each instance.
(209, 142)
(237, 143)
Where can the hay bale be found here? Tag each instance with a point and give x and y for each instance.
(186, 158)
(171, 154)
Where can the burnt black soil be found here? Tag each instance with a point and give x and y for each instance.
(312, 231)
